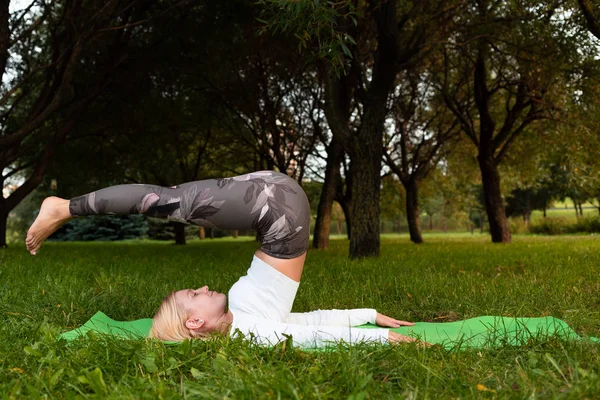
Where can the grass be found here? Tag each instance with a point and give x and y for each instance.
(562, 213)
(447, 278)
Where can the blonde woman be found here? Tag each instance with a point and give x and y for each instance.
(260, 302)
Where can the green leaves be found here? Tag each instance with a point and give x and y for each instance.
(149, 363)
(321, 27)
(94, 380)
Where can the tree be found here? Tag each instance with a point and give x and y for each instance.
(393, 199)
(508, 65)
(332, 183)
(591, 16)
(523, 201)
(273, 98)
(365, 46)
(53, 75)
(423, 133)
(163, 126)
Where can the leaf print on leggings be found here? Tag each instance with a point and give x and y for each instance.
(148, 201)
(275, 217)
(196, 206)
(270, 202)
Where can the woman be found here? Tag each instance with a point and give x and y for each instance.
(260, 302)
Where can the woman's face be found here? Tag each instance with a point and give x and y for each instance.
(202, 303)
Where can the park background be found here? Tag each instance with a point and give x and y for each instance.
(473, 113)
(450, 148)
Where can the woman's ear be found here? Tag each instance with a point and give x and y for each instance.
(194, 323)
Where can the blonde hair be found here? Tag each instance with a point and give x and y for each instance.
(169, 322)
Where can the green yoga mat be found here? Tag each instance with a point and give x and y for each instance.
(480, 332)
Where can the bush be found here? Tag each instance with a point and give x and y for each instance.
(559, 226)
(517, 225)
(102, 228)
(161, 229)
(589, 225)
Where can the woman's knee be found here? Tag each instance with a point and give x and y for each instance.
(285, 231)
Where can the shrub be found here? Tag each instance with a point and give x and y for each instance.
(589, 225)
(517, 225)
(559, 226)
(161, 229)
(102, 228)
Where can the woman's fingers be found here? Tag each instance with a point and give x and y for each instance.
(384, 320)
(394, 337)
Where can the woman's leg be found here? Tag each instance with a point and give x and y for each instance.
(269, 202)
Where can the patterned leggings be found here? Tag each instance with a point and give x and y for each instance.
(270, 202)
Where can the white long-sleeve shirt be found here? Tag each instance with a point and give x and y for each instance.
(261, 301)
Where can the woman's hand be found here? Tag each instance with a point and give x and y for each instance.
(395, 338)
(384, 320)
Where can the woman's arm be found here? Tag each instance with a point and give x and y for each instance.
(267, 332)
(354, 317)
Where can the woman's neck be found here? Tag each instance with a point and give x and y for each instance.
(224, 323)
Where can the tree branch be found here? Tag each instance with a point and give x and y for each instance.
(4, 36)
(40, 167)
(528, 119)
(593, 21)
(512, 115)
(18, 169)
(482, 98)
(337, 109)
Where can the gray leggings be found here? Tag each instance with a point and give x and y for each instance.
(270, 202)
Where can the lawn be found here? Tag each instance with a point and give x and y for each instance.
(449, 277)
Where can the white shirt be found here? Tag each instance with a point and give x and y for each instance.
(261, 301)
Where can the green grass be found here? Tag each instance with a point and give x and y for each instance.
(569, 204)
(562, 213)
(447, 278)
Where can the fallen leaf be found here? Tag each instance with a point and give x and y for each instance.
(484, 389)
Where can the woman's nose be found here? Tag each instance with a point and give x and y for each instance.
(204, 289)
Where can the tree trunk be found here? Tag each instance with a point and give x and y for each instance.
(234, 233)
(4, 36)
(481, 221)
(201, 233)
(366, 179)
(179, 232)
(412, 211)
(338, 224)
(494, 204)
(332, 174)
(592, 18)
(576, 210)
(580, 210)
(544, 211)
(3, 223)
(348, 216)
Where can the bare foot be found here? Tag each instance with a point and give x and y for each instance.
(54, 213)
